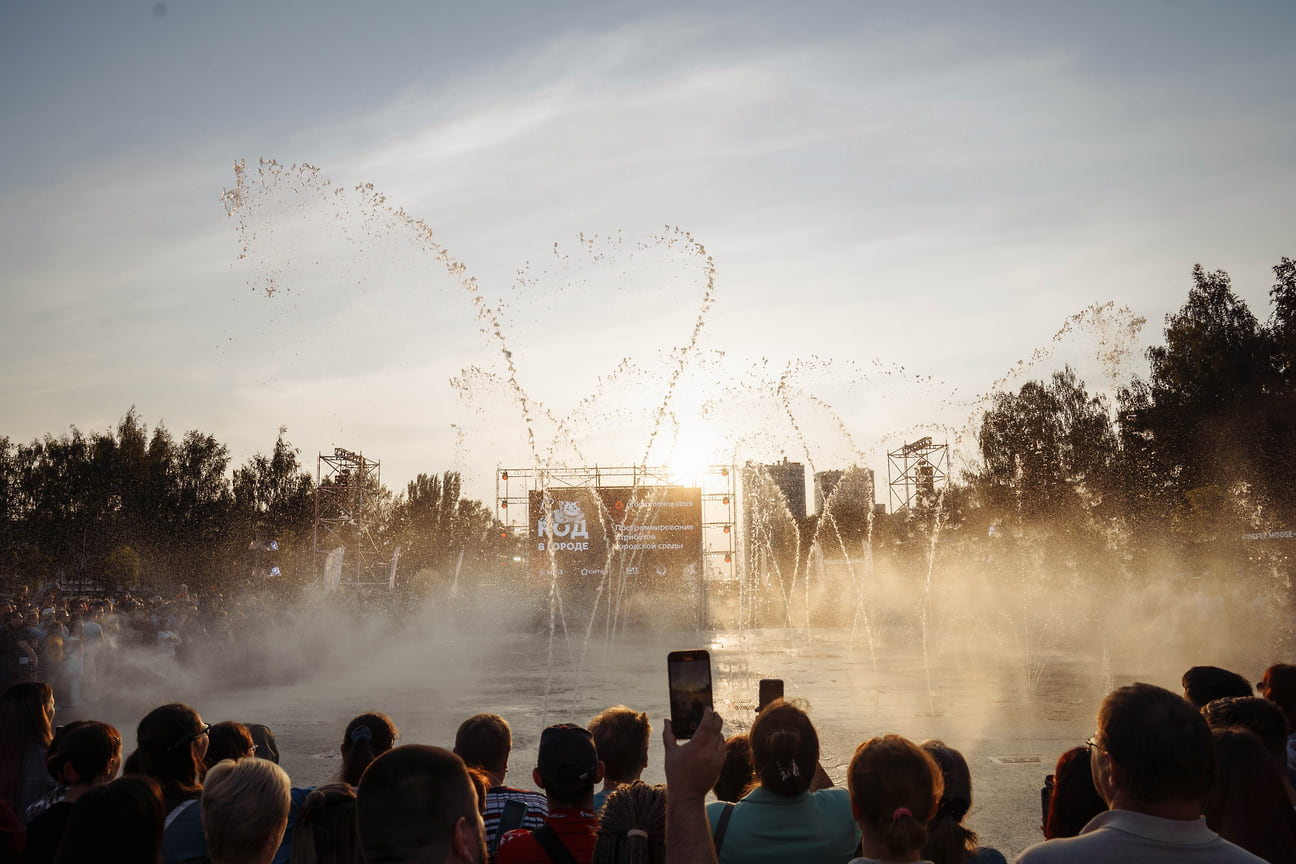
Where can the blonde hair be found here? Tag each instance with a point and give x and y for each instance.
(245, 809)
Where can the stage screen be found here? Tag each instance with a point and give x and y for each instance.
(651, 535)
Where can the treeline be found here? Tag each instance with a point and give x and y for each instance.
(129, 507)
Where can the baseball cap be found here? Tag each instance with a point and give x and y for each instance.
(568, 761)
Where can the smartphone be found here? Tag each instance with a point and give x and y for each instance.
(689, 674)
(770, 690)
(511, 818)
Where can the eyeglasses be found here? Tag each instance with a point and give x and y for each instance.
(192, 737)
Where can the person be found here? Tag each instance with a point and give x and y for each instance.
(895, 790)
(1074, 800)
(1260, 716)
(737, 776)
(567, 769)
(1203, 684)
(1279, 686)
(949, 841)
(120, 822)
(244, 810)
(171, 743)
(264, 739)
(485, 741)
(692, 768)
(1152, 763)
(632, 826)
(416, 805)
(621, 738)
(366, 738)
(782, 818)
(1247, 802)
(325, 831)
(26, 715)
(228, 740)
(87, 756)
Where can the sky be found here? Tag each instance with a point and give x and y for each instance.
(710, 232)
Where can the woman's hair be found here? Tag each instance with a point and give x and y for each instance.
(366, 738)
(948, 840)
(1075, 799)
(736, 775)
(245, 809)
(121, 821)
(895, 788)
(93, 749)
(1247, 803)
(165, 751)
(228, 740)
(325, 832)
(632, 826)
(481, 784)
(23, 722)
(785, 748)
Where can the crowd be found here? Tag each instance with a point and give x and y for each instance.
(1202, 776)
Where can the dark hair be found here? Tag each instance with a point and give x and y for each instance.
(1161, 741)
(785, 748)
(228, 740)
(1279, 687)
(264, 739)
(895, 788)
(366, 738)
(409, 802)
(325, 832)
(1247, 804)
(23, 723)
(120, 821)
(635, 807)
(165, 752)
(949, 841)
(1255, 714)
(1075, 800)
(90, 747)
(1203, 684)
(737, 776)
(484, 741)
(621, 738)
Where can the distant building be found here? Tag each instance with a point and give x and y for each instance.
(861, 487)
(789, 477)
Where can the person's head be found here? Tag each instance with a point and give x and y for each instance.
(948, 841)
(366, 738)
(1255, 714)
(1247, 803)
(484, 741)
(245, 810)
(1152, 748)
(895, 789)
(27, 712)
(621, 738)
(87, 754)
(632, 826)
(120, 821)
(567, 766)
(416, 805)
(1075, 800)
(264, 739)
(1204, 684)
(1279, 686)
(172, 741)
(228, 740)
(325, 832)
(785, 748)
(736, 774)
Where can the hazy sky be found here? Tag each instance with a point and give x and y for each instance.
(901, 202)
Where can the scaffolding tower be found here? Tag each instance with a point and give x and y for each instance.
(345, 551)
(916, 472)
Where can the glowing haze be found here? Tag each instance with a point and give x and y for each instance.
(900, 202)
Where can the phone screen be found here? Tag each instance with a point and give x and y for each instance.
(770, 690)
(689, 673)
(512, 817)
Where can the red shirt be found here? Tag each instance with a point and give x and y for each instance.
(576, 827)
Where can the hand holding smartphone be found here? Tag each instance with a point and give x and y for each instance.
(689, 676)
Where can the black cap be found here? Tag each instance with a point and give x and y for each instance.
(568, 761)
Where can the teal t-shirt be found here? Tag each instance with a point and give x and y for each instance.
(765, 827)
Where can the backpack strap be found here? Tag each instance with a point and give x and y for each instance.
(552, 844)
(721, 827)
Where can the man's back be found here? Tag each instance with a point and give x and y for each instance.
(1126, 837)
(574, 827)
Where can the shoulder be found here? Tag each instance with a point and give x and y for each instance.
(987, 855)
(516, 846)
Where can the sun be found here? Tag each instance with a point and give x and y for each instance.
(690, 457)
